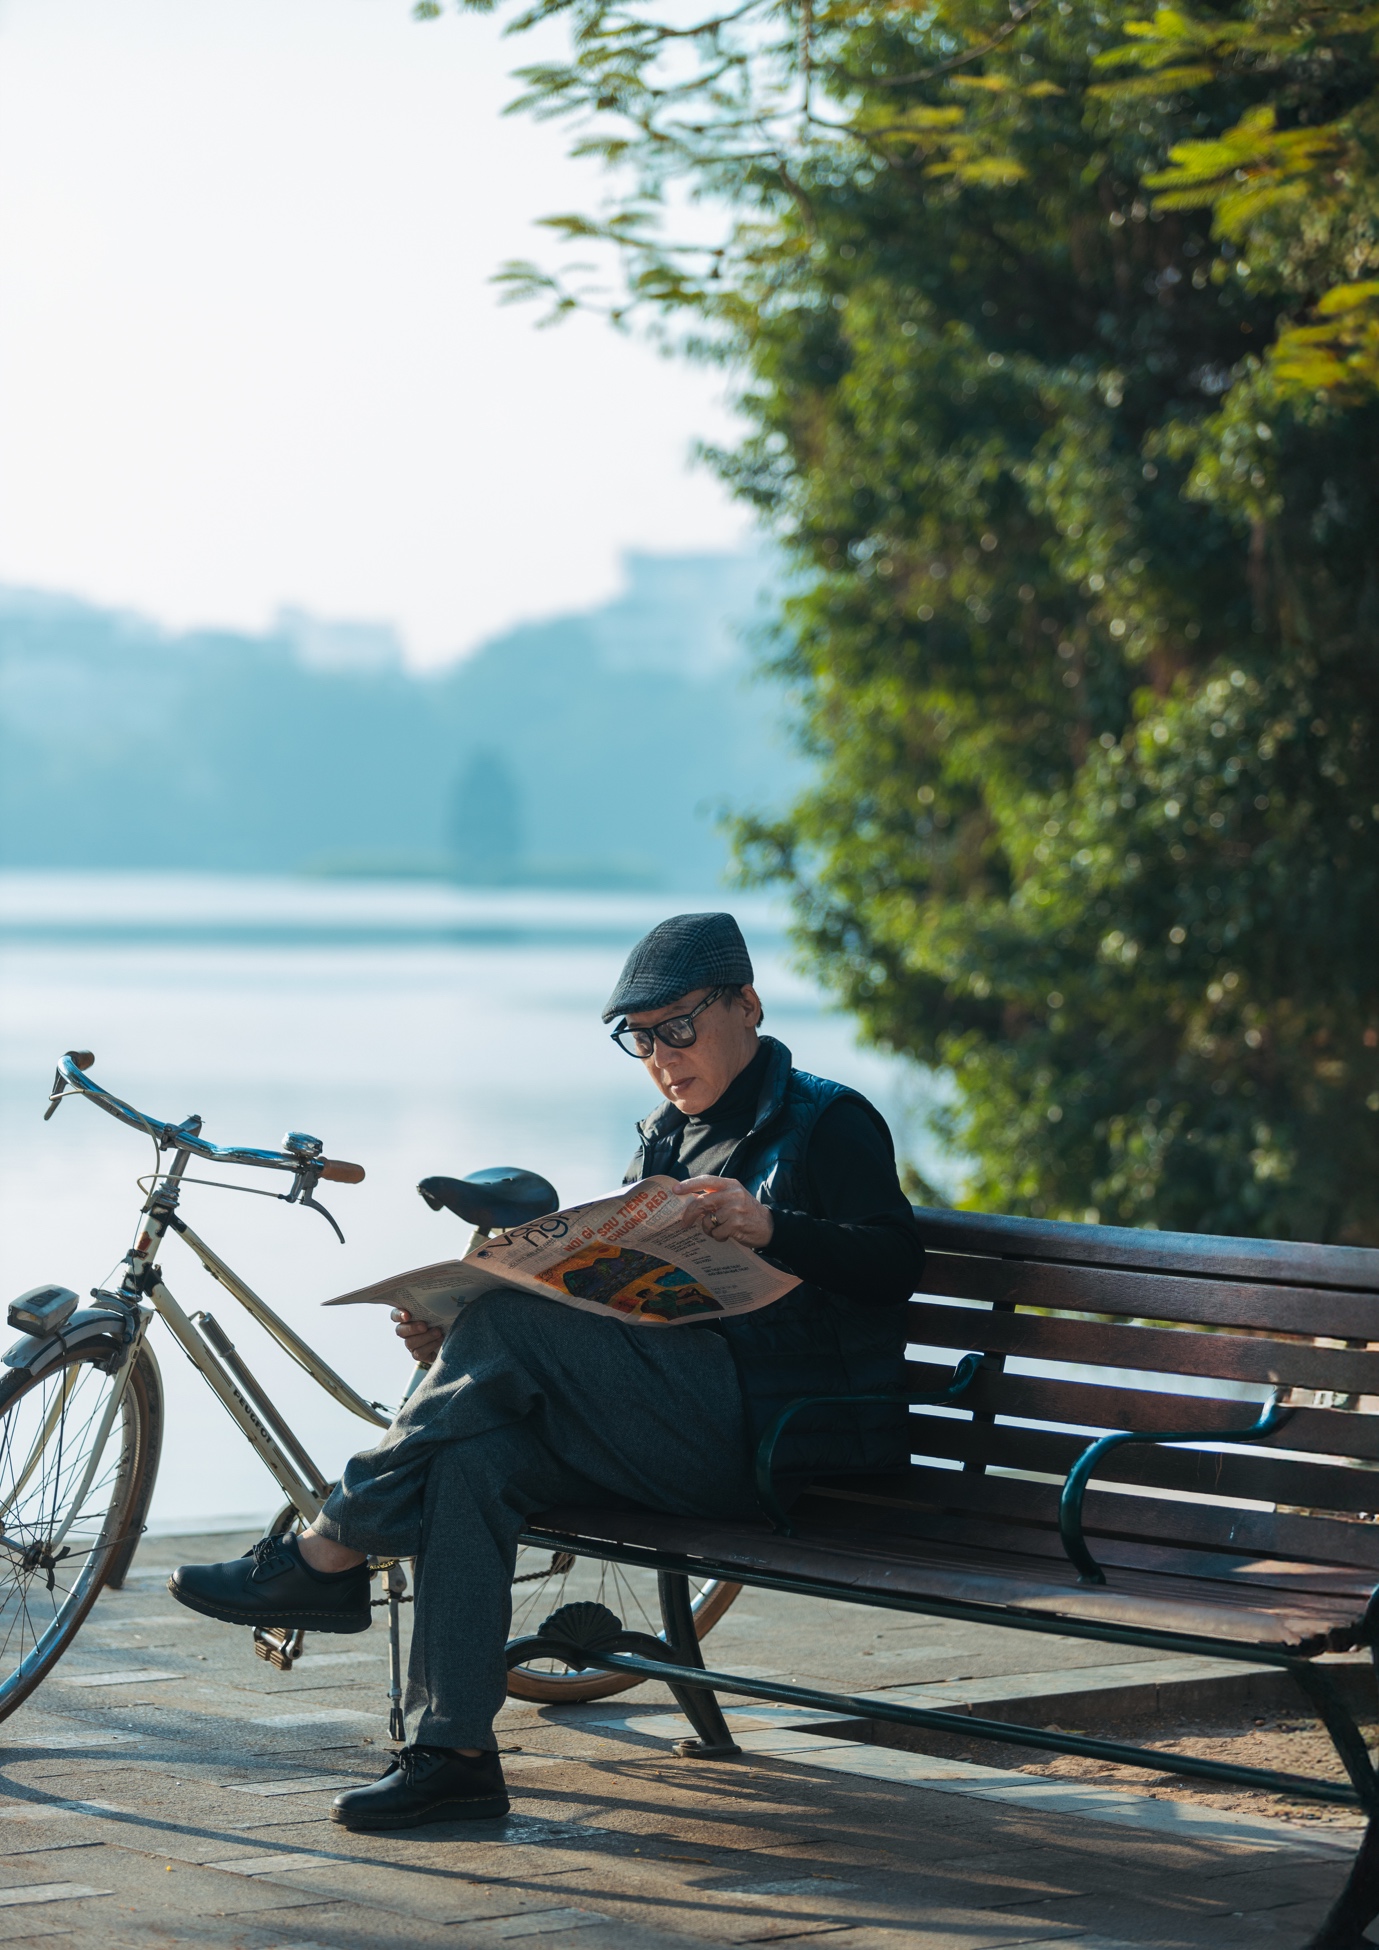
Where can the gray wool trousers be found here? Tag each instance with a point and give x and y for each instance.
(530, 1404)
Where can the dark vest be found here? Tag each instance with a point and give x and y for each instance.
(809, 1342)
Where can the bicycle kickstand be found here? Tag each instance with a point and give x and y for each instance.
(396, 1585)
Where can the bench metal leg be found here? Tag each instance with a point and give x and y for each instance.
(699, 1706)
(1357, 1906)
(1358, 1903)
(1325, 1697)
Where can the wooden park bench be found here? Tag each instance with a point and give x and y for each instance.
(1053, 1493)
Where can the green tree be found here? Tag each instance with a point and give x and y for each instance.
(1059, 329)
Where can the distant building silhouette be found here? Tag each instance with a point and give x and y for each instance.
(363, 648)
(315, 748)
(487, 829)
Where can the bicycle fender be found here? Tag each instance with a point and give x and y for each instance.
(137, 1518)
(89, 1324)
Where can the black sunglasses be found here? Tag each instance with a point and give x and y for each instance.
(676, 1032)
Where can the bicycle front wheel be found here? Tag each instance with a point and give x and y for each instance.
(71, 1484)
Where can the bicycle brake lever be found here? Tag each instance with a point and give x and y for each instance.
(56, 1094)
(311, 1204)
(304, 1183)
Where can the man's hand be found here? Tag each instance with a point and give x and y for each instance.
(726, 1210)
(420, 1338)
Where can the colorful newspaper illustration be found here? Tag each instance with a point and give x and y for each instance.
(629, 1254)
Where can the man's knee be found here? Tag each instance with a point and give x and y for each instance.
(489, 1316)
(470, 1474)
(522, 1326)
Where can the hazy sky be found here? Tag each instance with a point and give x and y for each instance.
(249, 353)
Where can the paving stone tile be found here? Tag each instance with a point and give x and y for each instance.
(16, 1895)
(17, 1860)
(140, 1676)
(277, 1825)
(271, 1862)
(939, 1931)
(147, 1889)
(68, 1737)
(311, 1717)
(347, 1927)
(1269, 1886)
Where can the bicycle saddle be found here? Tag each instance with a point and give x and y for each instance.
(494, 1200)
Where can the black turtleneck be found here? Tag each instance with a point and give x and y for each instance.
(709, 1140)
(859, 1238)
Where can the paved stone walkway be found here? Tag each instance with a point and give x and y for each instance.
(165, 1787)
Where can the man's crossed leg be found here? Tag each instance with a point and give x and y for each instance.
(528, 1405)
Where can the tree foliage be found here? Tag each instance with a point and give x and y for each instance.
(1059, 327)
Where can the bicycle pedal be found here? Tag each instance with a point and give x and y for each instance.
(278, 1646)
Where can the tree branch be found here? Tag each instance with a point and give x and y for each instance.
(1016, 20)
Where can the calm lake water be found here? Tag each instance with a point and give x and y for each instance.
(414, 1027)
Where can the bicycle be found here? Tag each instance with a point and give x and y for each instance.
(81, 1421)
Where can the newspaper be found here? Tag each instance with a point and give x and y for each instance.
(630, 1254)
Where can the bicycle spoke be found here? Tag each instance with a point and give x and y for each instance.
(67, 1449)
(544, 1581)
(41, 1441)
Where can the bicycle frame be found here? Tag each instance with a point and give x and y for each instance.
(213, 1355)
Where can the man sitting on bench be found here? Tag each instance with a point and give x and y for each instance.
(529, 1404)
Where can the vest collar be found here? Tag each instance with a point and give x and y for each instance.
(666, 1120)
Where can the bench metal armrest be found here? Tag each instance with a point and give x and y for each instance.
(1271, 1418)
(963, 1376)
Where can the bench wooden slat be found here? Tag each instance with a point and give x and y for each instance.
(1021, 1569)
(883, 1567)
(1319, 1431)
(1286, 1261)
(932, 1525)
(986, 1557)
(1164, 1350)
(1261, 1533)
(1252, 1473)
(1153, 1296)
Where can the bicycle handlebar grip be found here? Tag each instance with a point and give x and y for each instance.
(341, 1173)
(83, 1058)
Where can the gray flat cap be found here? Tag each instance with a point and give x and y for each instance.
(689, 951)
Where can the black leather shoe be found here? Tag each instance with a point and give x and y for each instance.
(270, 1585)
(426, 1784)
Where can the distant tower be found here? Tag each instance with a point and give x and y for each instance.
(487, 841)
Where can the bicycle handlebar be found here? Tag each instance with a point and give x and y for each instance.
(186, 1135)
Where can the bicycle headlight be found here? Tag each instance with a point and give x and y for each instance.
(42, 1310)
